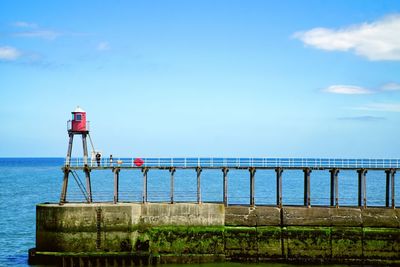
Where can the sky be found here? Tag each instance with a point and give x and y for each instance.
(222, 78)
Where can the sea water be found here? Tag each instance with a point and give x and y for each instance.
(25, 182)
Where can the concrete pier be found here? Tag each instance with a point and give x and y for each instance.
(99, 234)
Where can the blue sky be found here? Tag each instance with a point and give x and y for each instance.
(202, 78)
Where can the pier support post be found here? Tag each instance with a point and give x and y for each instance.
(144, 171)
(393, 190)
(390, 187)
(171, 192)
(88, 183)
(334, 188)
(279, 187)
(85, 151)
(362, 188)
(116, 184)
(69, 151)
(252, 171)
(198, 172)
(307, 197)
(225, 182)
(63, 197)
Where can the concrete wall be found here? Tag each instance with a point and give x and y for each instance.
(171, 231)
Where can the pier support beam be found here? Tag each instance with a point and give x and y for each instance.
(307, 194)
(88, 183)
(69, 151)
(362, 188)
(334, 188)
(390, 189)
(171, 192)
(63, 197)
(252, 174)
(198, 172)
(225, 182)
(144, 171)
(85, 151)
(116, 184)
(279, 172)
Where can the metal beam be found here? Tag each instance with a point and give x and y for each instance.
(171, 193)
(279, 172)
(198, 172)
(116, 184)
(144, 171)
(69, 151)
(85, 151)
(307, 193)
(362, 188)
(334, 188)
(252, 188)
(64, 189)
(225, 182)
(393, 189)
(88, 184)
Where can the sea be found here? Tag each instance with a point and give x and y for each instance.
(25, 182)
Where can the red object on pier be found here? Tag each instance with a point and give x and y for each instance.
(138, 162)
(78, 122)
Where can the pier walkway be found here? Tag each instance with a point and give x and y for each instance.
(240, 163)
(307, 165)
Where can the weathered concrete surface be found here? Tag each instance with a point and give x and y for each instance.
(182, 214)
(173, 231)
(252, 216)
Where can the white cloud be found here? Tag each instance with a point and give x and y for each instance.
(387, 107)
(23, 24)
(391, 87)
(9, 53)
(362, 118)
(379, 40)
(103, 46)
(347, 90)
(45, 34)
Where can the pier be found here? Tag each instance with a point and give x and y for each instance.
(137, 232)
(388, 168)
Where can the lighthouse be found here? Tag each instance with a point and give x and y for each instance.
(77, 126)
(78, 122)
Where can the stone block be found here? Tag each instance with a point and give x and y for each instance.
(241, 242)
(379, 217)
(269, 242)
(308, 243)
(303, 216)
(345, 216)
(347, 243)
(268, 216)
(381, 243)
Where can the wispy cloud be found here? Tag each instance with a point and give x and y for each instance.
(362, 118)
(23, 24)
(347, 90)
(103, 46)
(9, 53)
(33, 30)
(378, 40)
(45, 34)
(391, 87)
(385, 107)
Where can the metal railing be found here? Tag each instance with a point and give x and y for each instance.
(323, 163)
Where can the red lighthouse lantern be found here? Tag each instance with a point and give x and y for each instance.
(78, 122)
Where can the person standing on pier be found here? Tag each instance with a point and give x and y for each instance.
(98, 158)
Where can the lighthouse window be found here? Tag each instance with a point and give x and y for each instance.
(78, 117)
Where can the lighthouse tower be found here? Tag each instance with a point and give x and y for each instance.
(77, 126)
